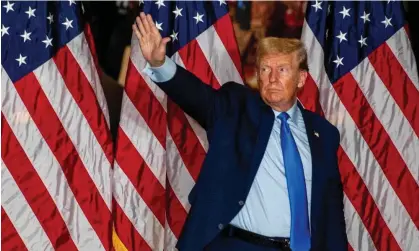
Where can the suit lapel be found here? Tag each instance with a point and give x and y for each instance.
(264, 131)
(315, 149)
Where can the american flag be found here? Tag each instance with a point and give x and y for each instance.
(160, 149)
(56, 146)
(364, 80)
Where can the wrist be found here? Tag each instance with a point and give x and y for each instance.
(157, 63)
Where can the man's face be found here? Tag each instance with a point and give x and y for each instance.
(279, 80)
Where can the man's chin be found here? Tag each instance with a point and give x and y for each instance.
(274, 102)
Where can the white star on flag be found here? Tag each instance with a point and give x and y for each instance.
(178, 12)
(21, 60)
(67, 23)
(30, 12)
(4, 30)
(26, 35)
(50, 18)
(317, 5)
(9, 6)
(72, 2)
(160, 3)
(387, 21)
(222, 2)
(158, 25)
(345, 12)
(338, 61)
(342, 36)
(47, 42)
(174, 36)
(198, 18)
(362, 41)
(365, 17)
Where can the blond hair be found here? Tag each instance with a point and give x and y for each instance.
(273, 45)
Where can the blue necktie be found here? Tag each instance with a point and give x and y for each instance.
(300, 232)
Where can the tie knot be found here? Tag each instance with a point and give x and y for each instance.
(283, 116)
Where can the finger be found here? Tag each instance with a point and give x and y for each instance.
(138, 34)
(152, 25)
(141, 26)
(145, 22)
(165, 41)
(136, 31)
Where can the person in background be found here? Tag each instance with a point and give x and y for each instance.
(270, 180)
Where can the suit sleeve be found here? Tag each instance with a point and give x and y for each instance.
(197, 99)
(336, 237)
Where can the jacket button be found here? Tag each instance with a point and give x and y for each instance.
(220, 226)
(241, 203)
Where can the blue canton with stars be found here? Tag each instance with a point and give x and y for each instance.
(349, 31)
(31, 33)
(183, 21)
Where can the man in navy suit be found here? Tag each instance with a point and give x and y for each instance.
(270, 180)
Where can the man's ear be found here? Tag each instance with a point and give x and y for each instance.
(302, 80)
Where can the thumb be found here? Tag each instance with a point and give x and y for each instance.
(163, 42)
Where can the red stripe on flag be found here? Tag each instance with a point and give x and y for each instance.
(187, 143)
(398, 83)
(140, 175)
(90, 41)
(380, 144)
(365, 206)
(175, 212)
(195, 61)
(225, 31)
(309, 96)
(33, 189)
(126, 232)
(146, 103)
(407, 29)
(10, 239)
(82, 92)
(49, 125)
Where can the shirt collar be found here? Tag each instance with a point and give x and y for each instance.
(292, 112)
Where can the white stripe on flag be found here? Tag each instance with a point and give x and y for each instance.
(217, 56)
(170, 239)
(389, 114)
(143, 139)
(48, 168)
(76, 127)
(359, 238)
(357, 150)
(399, 43)
(179, 178)
(137, 211)
(21, 215)
(81, 52)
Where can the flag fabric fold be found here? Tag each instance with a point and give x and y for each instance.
(363, 79)
(160, 149)
(56, 153)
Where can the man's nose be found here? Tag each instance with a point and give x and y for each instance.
(273, 76)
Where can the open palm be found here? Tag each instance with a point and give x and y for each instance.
(152, 45)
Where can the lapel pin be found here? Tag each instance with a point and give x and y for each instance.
(316, 134)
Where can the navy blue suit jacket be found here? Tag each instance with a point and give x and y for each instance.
(238, 125)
